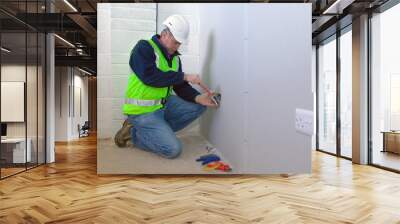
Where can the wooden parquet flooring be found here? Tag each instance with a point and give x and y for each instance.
(70, 191)
(10, 171)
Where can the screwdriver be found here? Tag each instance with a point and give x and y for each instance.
(205, 88)
(216, 97)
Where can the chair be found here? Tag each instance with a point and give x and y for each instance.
(84, 130)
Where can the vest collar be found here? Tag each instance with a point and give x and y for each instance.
(156, 40)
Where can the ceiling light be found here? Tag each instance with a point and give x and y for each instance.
(5, 50)
(65, 41)
(70, 5)
(84, 71)
(331, 7)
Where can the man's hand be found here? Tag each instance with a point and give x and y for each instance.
(194, 79)
(205, 100)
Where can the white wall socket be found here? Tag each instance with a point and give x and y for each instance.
(304, 121)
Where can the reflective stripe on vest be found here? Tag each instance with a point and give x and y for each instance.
(141, 98)
(143, 102)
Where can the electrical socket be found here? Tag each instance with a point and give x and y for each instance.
(304, 122)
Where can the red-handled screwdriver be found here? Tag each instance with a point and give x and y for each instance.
(205, 88)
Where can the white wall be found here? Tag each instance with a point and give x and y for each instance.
(17, 72)
(12, 101)
(61, 103)
(263, 74)
(79, 117)
(66, 121)
(119, 28)
(33, 127)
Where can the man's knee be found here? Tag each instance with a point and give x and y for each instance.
(172, 150)
(201, 109)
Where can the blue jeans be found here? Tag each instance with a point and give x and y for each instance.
(154, 132)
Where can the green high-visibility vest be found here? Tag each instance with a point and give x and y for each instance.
(137, 90)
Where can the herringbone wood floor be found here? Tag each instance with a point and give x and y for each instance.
(69, 191)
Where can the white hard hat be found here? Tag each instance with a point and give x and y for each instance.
(178, 26)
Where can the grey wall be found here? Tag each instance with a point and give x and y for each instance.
(279, 81)
(222, 63)
(259, 58)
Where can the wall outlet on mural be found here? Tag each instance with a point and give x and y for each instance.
(304, 121)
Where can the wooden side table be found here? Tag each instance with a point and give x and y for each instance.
(391, 141)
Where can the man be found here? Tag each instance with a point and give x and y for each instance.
(153, 113)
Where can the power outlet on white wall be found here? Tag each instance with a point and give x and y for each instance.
(304, 121)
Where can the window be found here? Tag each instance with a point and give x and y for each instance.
(22, 67)
(385, 89)
(327, 96)
(346, 93)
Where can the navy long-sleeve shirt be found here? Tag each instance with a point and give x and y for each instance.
(143, 63)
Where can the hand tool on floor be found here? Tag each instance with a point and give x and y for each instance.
(208, 159)
(210, 149)
(217, 165)
(211, 166)
(224, 167)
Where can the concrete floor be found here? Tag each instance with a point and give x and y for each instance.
(130, 160)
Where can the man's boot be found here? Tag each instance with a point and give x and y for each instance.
(123, 135)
